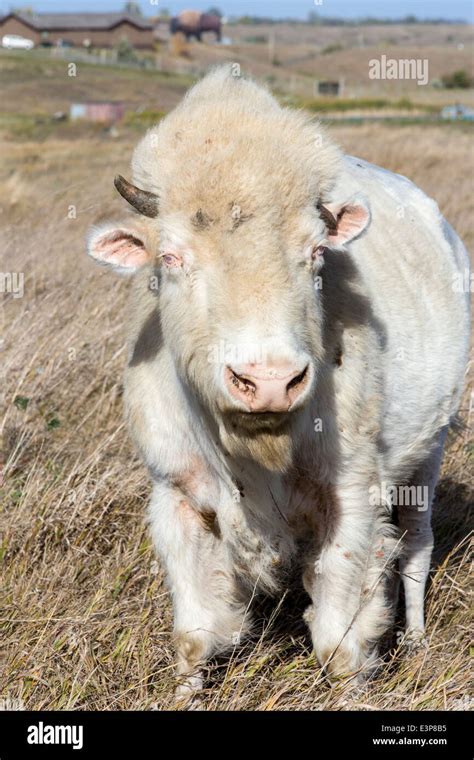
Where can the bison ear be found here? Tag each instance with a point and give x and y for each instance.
(349, 220)
(120, 248)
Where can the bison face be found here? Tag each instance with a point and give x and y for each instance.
(242, 316)
(241, 308)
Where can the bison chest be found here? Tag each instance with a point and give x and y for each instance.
(312, 509)
(265, 535)
(262, 547)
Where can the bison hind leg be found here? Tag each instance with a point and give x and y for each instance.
(417, 538)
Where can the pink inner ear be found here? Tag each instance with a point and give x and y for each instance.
(122, 249)
(351, 221)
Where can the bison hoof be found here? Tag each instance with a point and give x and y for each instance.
(308, 615)
(413, 640)
(352, 660)
(187, 692)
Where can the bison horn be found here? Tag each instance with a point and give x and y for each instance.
(145, 203)
(329, 220)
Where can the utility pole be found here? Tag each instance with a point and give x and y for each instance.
(271, 46)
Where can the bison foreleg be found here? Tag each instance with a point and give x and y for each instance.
(209, 612)
(348, 581)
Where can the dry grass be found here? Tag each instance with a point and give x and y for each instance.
(85, 613)
(40, 85)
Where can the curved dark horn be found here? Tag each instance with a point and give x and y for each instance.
(329, 220)
(145, 203)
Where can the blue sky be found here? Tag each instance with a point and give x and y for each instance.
(454, 9)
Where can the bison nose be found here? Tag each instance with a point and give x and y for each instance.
(266, 388)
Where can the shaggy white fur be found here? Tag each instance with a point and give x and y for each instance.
(240, 259)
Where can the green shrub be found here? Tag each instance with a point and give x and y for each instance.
(322, 105)
(256, 39)
(334, 48)
(458, 80)
(146, 118)
(125, 51)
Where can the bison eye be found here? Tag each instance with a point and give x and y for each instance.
(171, 260)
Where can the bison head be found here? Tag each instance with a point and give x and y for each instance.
(233, 225)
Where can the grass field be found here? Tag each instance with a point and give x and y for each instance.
(85, 614)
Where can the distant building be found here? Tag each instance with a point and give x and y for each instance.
(103, 30)
(328, 88)
(104, 111)
(456, 112)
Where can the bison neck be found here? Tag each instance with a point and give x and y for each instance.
(271, 450)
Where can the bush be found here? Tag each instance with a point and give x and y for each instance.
(458, 80)
(322, 105)
(335, 48)
(125, 51)
(142, 119)
(256, 39)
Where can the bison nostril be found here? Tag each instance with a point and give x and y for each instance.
(242, 383)
(298, 379)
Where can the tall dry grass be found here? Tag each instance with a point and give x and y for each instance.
(85, 614)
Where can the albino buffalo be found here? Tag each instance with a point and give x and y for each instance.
(298, 341)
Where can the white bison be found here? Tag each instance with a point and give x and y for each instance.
(298, 342)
